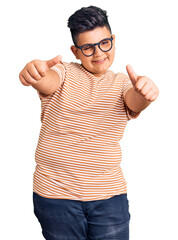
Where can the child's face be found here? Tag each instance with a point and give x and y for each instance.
(100, 61)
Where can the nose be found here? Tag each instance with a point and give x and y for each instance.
(98, 51)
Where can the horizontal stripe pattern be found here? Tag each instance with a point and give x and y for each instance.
(78, 155)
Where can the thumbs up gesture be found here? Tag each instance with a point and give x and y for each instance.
(36, 69)
(143, 85)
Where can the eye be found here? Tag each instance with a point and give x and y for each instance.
(87, 47)
(105, 42)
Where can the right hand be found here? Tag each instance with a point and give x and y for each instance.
(36, 69)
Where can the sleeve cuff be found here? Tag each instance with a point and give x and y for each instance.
(131, 114)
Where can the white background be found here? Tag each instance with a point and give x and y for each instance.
(146, 37)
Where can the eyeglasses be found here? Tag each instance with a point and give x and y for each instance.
(104, 45)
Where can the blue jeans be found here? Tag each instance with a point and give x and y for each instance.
(63, 219)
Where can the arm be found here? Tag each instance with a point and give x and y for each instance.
(144, 91)
(38, 74)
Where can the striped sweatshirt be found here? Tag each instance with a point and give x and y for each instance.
(78, 155)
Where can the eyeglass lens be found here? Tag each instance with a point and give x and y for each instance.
(105, 45)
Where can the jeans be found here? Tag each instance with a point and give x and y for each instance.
(64, 219)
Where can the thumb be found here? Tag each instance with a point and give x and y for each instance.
(133, 76)
(53, 62)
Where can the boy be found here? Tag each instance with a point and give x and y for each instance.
(79, 189)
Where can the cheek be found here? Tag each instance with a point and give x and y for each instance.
(112, 55)
(86, 61)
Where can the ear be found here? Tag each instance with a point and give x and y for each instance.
(75, 51)
(113, 36)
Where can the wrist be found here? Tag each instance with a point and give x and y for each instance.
(135, 101)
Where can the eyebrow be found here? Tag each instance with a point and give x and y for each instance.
(95, 42)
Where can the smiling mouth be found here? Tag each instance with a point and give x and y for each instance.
(100, 61)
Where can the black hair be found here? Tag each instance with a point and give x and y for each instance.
(86, 19)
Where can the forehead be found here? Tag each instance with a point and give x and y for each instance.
(93, 36)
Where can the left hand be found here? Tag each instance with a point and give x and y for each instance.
(143, 85)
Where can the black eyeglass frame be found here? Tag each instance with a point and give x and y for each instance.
(95, 44)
